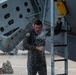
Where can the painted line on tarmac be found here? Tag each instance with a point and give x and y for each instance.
(70, 69)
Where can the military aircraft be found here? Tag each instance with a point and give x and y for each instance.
(17, 17)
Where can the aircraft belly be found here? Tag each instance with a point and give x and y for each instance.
(60, 51)
(71, 17)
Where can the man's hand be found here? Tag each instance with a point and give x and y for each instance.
(40, 48)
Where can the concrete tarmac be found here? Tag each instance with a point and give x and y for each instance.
(19, 64)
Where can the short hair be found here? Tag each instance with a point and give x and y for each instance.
(38, 22)
(59, 18)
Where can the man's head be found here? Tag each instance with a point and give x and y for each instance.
(59, 19)
(38, 26)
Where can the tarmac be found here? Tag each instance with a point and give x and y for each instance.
(19, 64)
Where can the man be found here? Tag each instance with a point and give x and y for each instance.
(36, 55)
(58, 27)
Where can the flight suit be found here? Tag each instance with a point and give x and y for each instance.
(58, 28)
(36, 59)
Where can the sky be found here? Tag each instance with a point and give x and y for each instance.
(1, 1)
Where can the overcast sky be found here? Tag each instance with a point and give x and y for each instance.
(1, 1)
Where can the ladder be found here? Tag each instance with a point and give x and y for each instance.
(65, 59)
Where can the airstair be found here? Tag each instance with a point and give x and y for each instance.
(53, 45)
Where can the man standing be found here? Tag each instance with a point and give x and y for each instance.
(58, 26)
(36, 55)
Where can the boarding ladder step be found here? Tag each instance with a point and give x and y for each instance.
(60, 60)
(60, 45)
(60, 74)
